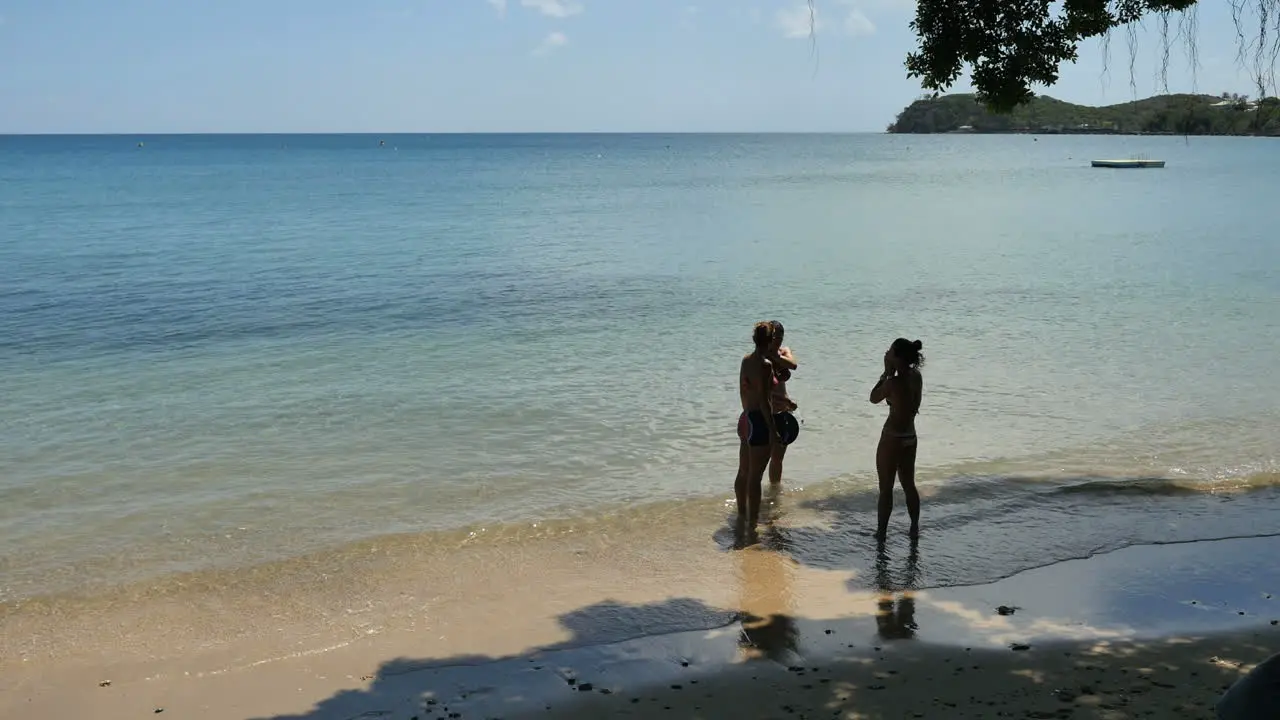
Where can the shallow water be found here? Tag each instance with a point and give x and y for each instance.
(224, 351)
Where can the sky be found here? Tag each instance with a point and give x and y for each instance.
(135, 66)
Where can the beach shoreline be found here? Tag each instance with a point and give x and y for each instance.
(569, 631)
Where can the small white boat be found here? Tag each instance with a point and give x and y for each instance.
(1128, 163)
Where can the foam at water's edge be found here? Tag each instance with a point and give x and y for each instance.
(971, 500)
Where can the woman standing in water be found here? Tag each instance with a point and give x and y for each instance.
(756, 428)
(783, 363)
(901, 386)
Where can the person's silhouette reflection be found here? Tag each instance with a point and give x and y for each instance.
(765, 591)
(896, 609)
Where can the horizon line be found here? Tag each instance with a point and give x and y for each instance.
(442, 132)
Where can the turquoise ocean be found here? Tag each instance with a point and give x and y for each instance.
(218, 352)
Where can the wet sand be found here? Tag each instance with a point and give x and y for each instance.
(1149, 631)
(1175, 677)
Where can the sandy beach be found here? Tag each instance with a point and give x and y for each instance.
(578, 628)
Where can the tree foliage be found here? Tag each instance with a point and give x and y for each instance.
(1011, 46)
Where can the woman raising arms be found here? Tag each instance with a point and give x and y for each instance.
(901, 386)
(757, 431)
(783, 363)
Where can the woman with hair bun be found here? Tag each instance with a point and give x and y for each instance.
(900, 386)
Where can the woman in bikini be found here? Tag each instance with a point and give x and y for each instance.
(757, 431)
(901, 386)
(783, 363)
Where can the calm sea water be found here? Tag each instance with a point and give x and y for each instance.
(224, 350)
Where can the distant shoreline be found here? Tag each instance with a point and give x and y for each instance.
(1051, 131)
(1171, 115)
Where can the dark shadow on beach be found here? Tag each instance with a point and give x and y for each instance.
(793, 663)
(683, 658)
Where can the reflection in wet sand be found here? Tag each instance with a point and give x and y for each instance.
(766, 597)
(896, 607)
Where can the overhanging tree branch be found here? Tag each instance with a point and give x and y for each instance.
(1011, 46)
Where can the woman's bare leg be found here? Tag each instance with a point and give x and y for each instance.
(886, 466)
(758, 458)
(775, 463)
(907, 476)
(740, 482)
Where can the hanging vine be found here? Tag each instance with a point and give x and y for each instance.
(1010, 46)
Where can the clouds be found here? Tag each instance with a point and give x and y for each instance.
(801, 20)
(797, 21)
(856, 23)
(688, 17)
(552, 42)
(549, 8)
(559, 9)
(554, 8)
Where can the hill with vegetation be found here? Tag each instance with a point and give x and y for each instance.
(1225, 114)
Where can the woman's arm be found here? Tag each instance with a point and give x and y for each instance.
(881, 389)
(785, 359)
(766, 399)
(917, 393)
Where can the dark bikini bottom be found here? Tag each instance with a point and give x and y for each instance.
(753, 431)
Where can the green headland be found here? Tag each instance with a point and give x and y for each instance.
(1225, 114)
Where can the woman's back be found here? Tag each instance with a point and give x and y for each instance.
(754, 373)
(905, 392)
